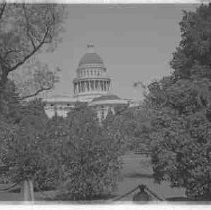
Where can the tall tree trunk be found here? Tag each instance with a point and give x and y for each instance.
(31, 187)
(28, 190)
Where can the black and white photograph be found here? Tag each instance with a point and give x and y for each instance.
(105, 103)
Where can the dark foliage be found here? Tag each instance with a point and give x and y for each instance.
(180, 105)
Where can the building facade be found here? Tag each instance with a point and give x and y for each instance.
(92, 85)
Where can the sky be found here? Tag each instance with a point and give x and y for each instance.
(136, 43)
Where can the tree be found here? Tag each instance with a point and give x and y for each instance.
(180, 105)
(26, 30)
(180, 153)
(90, 157)
(28, 151)
(131, 126)
(9, 102)
(33, 79)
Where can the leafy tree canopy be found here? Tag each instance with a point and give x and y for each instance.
(90, 157)
(180, 110)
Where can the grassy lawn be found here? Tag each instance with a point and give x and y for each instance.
(136, 170)
(17, 196)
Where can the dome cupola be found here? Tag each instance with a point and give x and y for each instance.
(91, 57)
(92, 80)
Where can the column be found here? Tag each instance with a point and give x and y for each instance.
(84, 86)
(101, 85)
(76, 88)
(104, 85)
(87, 85)
(79, 87)
(95, 85)
(92, 85)
(98, 85)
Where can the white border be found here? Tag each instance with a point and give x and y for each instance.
(126, 205)
(110, 1)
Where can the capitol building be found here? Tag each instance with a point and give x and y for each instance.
(92, 85)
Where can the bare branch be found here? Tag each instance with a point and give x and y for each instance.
(10, 51)
(3, 63)
(27, 27)
(36, 93)
(30, 54)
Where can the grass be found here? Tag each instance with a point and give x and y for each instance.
(137, 170)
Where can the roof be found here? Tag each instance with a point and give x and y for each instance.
(60, 99)
(108, 100)
(91, 58)
(106, 97)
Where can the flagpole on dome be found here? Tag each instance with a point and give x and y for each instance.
(90, 47)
